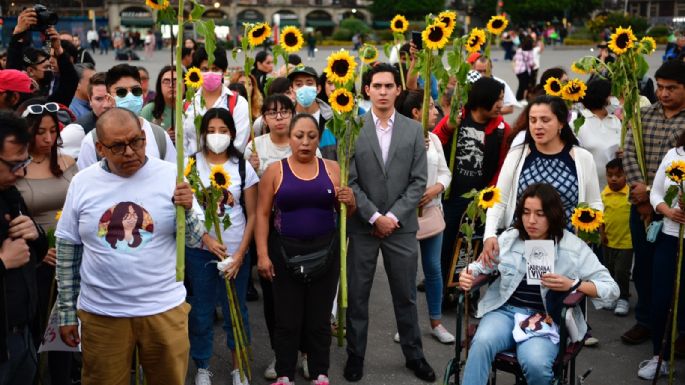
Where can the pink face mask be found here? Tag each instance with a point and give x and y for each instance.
(211, 80)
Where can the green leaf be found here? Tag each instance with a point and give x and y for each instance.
(466, 230)
(197, 11)
(470, 194)
(671, 194)
(387, 47)
(471, 210)
(580, 120)
(205, 28)
(234, 53)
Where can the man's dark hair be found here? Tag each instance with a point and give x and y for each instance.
(121, 71)
(294, 59)
(185, 51)
(384, 67)
(598, 90)
(672, 70)
(98, 79)
(615, 163)
(239, 88)
(551, 206)
(70, 49)
(279, 85)
(484, 94)
(273, 102)
(220, 59)
(13, 127)
(32, 56)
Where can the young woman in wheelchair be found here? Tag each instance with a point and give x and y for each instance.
(539, 215)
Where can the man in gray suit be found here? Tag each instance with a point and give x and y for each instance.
(388, 175)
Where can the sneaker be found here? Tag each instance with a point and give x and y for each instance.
(236, 378)
(647, 369)
(396, 338)
(610, 305)
(442, 334)
(622, 307)
(305, 367)
(203, 377)
(591, 341)
(322, 380)
(270, 372)
(636, 335)
(283, 381)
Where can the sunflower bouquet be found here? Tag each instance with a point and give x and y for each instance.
(475, 212)
(211, 198)
(398, 26)
(496, 25)
(587, 222)
(625, 73)
(345, 125)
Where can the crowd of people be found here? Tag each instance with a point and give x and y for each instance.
(89, 204)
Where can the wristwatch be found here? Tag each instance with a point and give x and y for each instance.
(576, 285)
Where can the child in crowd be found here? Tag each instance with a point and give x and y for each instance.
(616, 241)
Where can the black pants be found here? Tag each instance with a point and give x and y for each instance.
(22, 364)
(524, 80)
(303, 314)
(268, 302)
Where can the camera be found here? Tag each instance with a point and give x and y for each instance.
(45, 18)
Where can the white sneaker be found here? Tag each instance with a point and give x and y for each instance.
(442, 334)
(396, 337)
(647, 369)
(236, 378)
(611, 305)
(203, 377)
(322, 380)
(283, 381)
(270, 372)
(622, 307)
(591, 341)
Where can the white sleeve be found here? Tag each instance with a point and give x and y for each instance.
(444, 173)
(67, 226)
(658, 192)
(242, 124)
(248, 151)
(87, 154)
(189, 136)
(72, 136)
(593, 197)
(170, 149)
(495, 215)
(509, 96)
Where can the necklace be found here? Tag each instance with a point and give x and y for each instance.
(40, 161)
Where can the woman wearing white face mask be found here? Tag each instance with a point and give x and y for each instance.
(217, 131)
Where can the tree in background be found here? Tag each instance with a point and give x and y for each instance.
(527, 11)
(411, 9)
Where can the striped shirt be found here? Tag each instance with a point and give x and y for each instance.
(527, 296)
(659, 134)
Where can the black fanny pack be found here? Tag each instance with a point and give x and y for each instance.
(307, 263)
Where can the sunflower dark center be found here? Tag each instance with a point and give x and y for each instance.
(446, 20)
(435, 34)
(194, 77)
(473, 41)
(342, 99)
(340, 67)
(555, 86)
(497, 24)
(290, 39)
(677, 173)
(219, 178)
(488, 195)
(258, 32)
(586, 216)
(399, 24)
(574, 89)
(622, 40)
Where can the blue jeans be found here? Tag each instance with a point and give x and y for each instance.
(207, 289)
(664, 274)
(642, 267)
(494, 335)
(430, 260)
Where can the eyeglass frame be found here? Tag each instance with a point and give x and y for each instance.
(274, 114)
(128, 90)
(16, 166)
(43, 107)
(130, 143)
(170, 82)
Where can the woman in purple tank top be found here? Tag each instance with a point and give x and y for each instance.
(297, 248)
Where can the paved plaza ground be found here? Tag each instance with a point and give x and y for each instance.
(612, 362)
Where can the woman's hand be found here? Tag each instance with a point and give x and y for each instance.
(431, 193)
(265, 268)
(557, 282)
(345, 195)
(490, 252)
(51, 257)
(675, 214)
(254, 160)
(465, 280)
(214, 246)
(231, 271)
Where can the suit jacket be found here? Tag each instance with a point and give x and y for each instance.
(397, 185)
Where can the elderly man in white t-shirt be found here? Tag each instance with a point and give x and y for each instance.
(116, 251)
(481, 64)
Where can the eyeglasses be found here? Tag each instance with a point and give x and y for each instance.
(120, 148)
(168, 82)
(37, 109)
(271, 114)
(123, 91)
(16, 166)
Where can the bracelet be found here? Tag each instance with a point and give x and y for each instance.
(576, 284)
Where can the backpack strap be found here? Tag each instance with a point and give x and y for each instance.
(160, 137)
(241, 172)
(232, 101)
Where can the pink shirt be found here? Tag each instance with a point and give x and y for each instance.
(384, 135)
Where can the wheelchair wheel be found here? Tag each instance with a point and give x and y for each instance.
(451, 371)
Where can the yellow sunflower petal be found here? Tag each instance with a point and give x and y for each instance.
(399, 24)
(258, 34)
(587, 219)
(676, 171)
(573, 90)
(219, 177)
(489, 197)
(435, 36)
(189, 167)
(291, 39)
(341, 66)
(449, 18)
(341, 100)
(58, 215)
(575, 68)
(193, 78)
(622, 40)
(497, 25)
(475, 40)
(368, 53)
(157, 4)
(553, 87)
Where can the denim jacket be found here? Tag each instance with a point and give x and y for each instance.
(573, 259)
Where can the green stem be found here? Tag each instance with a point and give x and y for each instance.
(399, 60)
(674, 323)
(180, 211)
(426, 91)
(488, 70)
(249, 107)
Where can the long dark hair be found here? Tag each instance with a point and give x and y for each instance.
(34, 121)
(559, 109)
(159, 103)
(115, 229)
(408, 100)
(225, 115)
(551, 206)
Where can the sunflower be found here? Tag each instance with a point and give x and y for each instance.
(399, 24)
(368, 53)
(258, 34)
(489, 197)
(648, 45)
(341, 100)
(291, 39)
(435, 36)
(676, 171)
(573, 90)
(193, 78)
(497, 25)
(340, 67)
(475, 40)
(553, 86)
(578, 70)
(189, 167)
(449, 18)
(219, 177)
(58, 215)
(622, 40)
(586, 219)
(157, 4)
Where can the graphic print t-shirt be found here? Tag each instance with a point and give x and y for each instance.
(468, 164)
(127, 227)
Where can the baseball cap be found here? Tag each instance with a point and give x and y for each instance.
(473, 57)
(13, 80)
(302, 70)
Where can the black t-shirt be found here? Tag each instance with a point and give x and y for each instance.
(468, 162)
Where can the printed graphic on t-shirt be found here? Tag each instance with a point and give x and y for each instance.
(125, 227)
(225, 204)
(469, 155)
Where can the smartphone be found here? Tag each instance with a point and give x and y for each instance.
(416, 39)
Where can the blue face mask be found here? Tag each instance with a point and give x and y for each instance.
(306, 95)
(130, 102)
